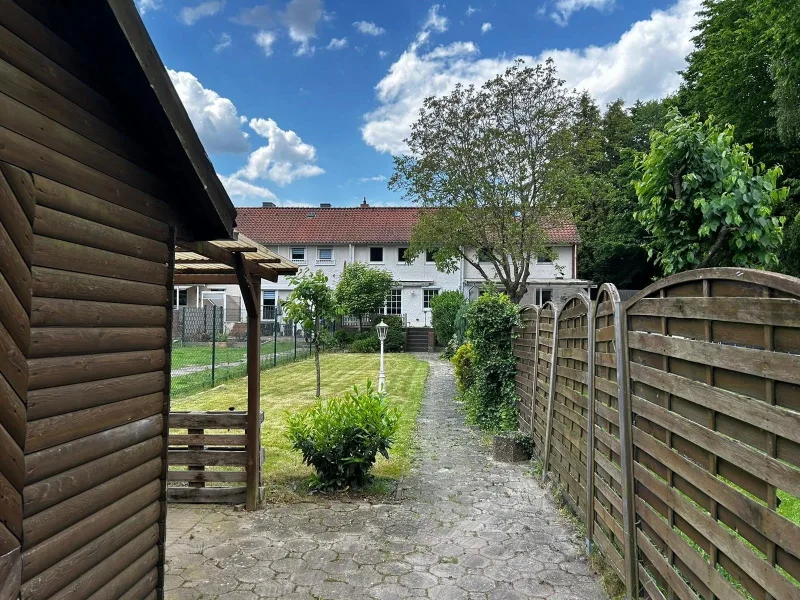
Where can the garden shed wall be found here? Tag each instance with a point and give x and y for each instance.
(90, 201)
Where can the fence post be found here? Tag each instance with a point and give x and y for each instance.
(590, 432)
(213, 341)
(626, 453)
(550, 396)
(275, 338)
(182, 313)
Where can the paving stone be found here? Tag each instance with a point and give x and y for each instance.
(459, 527)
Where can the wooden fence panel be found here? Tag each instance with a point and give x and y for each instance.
(545, 327)
(524, 350)
(714, 374)
(570, 392)
(211, 465)
(675, 418)
(604, 479)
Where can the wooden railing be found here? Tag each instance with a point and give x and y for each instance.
(205, 445)
(671, 424)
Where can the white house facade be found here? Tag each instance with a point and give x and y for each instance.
(327, 239)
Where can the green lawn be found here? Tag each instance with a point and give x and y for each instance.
(229, 364)
(291, 387)
(197, 355)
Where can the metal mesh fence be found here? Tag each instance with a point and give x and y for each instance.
(209, 345)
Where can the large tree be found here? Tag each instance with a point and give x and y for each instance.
(703, 201)
(362, 290)
(745, 71)
(484, 167)
(600, 188)
(311, 303)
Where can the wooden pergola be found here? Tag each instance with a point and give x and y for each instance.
(244, 262)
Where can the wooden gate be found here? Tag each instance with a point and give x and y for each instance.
(212, 466)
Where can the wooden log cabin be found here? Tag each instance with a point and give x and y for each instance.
(100, 171)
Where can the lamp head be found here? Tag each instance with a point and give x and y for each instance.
(382, 329)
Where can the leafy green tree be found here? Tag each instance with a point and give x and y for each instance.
(362, 290)
(745, 71)
(310, 304)
(485, 167)
(600, 186)
(703, 201)
(444, 309)
(491, 402)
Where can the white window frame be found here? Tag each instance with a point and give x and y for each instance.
(177, 297)
(547, 261)
(268, 295)
(429, 262)
(436, 291)
(298, 261)
(393, 293)
(383, 255)
(326, 261)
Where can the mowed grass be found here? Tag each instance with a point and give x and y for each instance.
(292, 387)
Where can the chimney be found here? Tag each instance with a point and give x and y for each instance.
(267, 205)
(325, 205)
(364, 203)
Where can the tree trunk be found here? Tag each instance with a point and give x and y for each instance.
(360, 318)
(316, 355)
(316, 364)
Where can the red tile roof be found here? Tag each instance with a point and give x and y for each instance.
(386, 225)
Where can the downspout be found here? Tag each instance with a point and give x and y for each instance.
(461, 278)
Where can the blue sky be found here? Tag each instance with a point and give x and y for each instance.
(305, 101)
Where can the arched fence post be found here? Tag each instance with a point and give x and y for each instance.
(590, 431)
(550, 394)
(626, 453)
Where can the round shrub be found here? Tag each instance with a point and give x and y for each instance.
(465, 372)
(341, 436)
(366, 344)
(444, 308)
(342, 338)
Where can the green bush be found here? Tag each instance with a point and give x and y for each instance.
(341, 436)
(444, 308)
(366, 344)
(342, 338)
(491, 402)
(367, 341)
(464, 360)
(450, 350)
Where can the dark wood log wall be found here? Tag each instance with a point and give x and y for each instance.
(85, 255)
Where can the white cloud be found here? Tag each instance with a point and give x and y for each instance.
(470, 11)
(224, 42)
(192, 14)
(368, 28)
(265, 39)
(301, 18)
(283, 160)
(215, 118)
(377, 178)
(562, 9)
(258, 16)
(337, 44)
(435, 21)
(486, 27)
(642, 64)
(244, 190)
(148, 5)
(383, 53)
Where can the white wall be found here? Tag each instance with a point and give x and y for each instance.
(412, 278)
(538, 270)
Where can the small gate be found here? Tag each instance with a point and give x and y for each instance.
(208, 459)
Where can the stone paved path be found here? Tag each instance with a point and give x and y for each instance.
(463, 527)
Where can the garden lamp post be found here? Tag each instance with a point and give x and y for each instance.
(382, 328)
